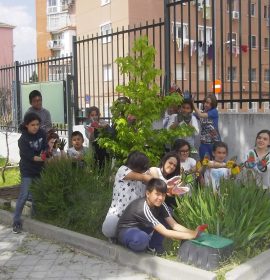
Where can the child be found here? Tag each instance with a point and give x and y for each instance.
(31, 144)
(218, 168)
(209, 125)
(182, 147)
(55, 145)
(170, 118)
(92, 129)
(142, 217)
(169, 167)
(186, 117)
(77, 151)
(128, 186)
(258, 159)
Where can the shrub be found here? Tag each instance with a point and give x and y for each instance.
(146, 106)
(239, 212)
(73, 197)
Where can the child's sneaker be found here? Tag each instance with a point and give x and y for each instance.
(17, 228)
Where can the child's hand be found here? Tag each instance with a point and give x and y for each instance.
(62, 144)
(43, 155)
(95, 124)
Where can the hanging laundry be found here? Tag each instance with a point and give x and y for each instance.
(235, 50)
(244, 48)
(211, 51)
(179, 44)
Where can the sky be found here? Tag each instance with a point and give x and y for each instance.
(22, 15)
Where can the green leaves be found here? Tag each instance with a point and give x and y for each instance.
(240, 212)
(73, 197)
(146, 106)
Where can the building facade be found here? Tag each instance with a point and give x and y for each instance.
(55, 27)
(209, 40)
(6, 44)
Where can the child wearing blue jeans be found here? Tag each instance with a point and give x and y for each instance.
(209, 125)
(31, 144)
(142, 217)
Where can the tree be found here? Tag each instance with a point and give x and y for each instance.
(134, 122)
(34, 77)
(6, 123)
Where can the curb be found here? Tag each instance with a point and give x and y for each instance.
(252, 269)
(151, 265)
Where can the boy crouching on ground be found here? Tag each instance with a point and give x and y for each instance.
(142, 217)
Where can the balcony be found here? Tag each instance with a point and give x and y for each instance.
(55, 44)
(59, 21)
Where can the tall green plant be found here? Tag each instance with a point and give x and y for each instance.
(240, 212)
(73, 197)
(147, 106)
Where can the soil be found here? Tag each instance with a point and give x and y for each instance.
(10, 193)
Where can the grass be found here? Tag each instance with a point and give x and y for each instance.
(12, 175)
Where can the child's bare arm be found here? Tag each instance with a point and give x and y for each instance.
(138, 177)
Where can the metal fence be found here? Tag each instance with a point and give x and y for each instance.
(97, 74)
(221, 40)
(13, 76)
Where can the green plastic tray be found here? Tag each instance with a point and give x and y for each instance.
(213, 241)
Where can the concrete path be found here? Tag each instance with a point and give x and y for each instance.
(25, 256)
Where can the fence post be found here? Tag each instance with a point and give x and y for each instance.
(75, 76)
(18, 94)
(70, 106)
(167, 77)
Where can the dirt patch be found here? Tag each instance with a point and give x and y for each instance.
(10, 193)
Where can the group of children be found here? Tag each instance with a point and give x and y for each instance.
(143, 196)
(140, 213)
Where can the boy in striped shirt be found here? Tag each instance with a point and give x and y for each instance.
(142, 219)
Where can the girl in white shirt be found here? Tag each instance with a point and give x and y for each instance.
(182, 148)
(257, 160)
(129, 185)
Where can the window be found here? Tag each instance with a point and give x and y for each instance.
(202, 73)
(266, 12)
(253, 75)
(51, 6)
(107, 73)
(104, 2)
(202, 30)
(252, 9)
(266, 107)
(180, 72)
(233, 4)
(253, 42)
(231, 71)
(232, 107)
(178, 30)
(266, 75)
(232, 38)
(266, 43)
(106, 29)
(253, 107)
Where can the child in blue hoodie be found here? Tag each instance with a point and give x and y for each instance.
(32, 144)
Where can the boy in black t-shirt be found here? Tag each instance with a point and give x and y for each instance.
(142, 217)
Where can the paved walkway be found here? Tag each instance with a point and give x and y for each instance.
(24, 256)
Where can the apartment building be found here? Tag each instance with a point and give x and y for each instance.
(55, 27)
(6, 44)
(232, 47)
